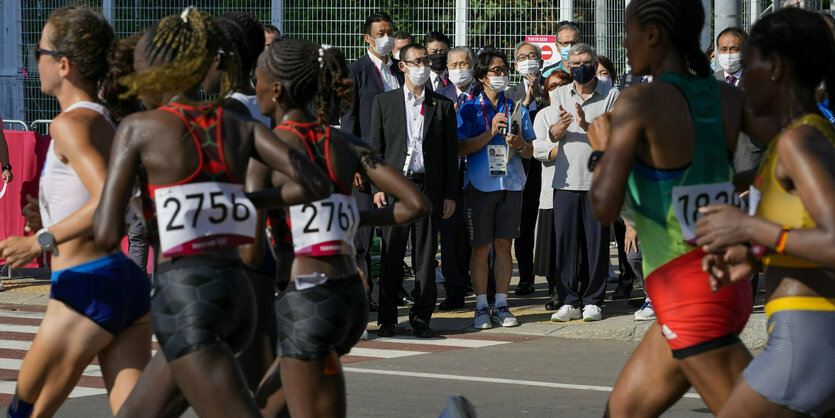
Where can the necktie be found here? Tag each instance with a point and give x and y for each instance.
(731, 80)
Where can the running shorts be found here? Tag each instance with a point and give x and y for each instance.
(111, 290)
(694, 318)
(317, 320)
(797, 368)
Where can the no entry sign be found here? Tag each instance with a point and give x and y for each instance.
(548, 45)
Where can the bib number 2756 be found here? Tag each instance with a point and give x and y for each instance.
(688, 199)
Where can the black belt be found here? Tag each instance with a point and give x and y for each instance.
(413, 176)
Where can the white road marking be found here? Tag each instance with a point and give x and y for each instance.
(29, 329)
(8, 388)
(373, 352)
(14, 364)
(448, 342)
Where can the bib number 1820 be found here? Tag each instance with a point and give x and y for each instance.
(687, 200)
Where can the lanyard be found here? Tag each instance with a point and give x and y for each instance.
(484, 110)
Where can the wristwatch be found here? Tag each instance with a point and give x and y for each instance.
(7, 166)
(594, 158)
(47, 241)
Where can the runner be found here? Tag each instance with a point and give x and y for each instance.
(99, 301)
(189, 158)
(788, 54)
(324, 310)
(666, 164)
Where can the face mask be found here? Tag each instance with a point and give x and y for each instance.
(418, 75)
(528, 67)
(437, 62)
(583, 74)
(384, 45)
(499, 84)
(461, 78)
(731, 63)
(606, 81)
(564, 52)
(396, 55)
(713, 65)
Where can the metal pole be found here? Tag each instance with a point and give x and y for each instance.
(107, 10)
(278, 15)
(775, 6)
(727, 14)
(461, 22)
(705, 39)
(566, 10)
(11, 61)
(755, 11)
(601, 27)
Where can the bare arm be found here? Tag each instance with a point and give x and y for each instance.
(109, 220)
(542, 145)
(257, 178)
(409, 203)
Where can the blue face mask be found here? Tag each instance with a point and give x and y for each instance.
(713, 66)
(583, 74)
(564, 50)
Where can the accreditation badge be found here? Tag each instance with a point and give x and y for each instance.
(497, 160)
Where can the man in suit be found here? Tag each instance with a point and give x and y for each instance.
(401, 39)
(414, 129)
(437, 45)
(371, 75)
(728, 54)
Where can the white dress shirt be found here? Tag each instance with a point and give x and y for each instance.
(737, 76)
(389, 80)
(438, 79)
(414, 128)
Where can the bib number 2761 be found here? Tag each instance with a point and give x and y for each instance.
(688, 199)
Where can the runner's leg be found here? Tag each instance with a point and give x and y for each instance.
(124, 358)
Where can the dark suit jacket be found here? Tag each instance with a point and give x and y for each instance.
(440, 141)
(367, 84)
(517, 93)
(748, 153)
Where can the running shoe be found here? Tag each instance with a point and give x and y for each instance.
(566, 313)
(482, 319)
(502, 317)
(646, 313)
(592, 313)
(364, 335)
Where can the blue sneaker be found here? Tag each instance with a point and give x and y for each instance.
(482, 319)
(503, 318)
(646, 313)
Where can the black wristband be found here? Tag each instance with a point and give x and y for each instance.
(7, 167)
(594, 158)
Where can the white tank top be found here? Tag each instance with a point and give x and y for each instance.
(61, 190)
(251, 103)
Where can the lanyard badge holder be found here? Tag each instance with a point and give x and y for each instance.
(497, 155)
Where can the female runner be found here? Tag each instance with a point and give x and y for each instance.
(324, 310)
(787, 55)
(189, 160)
(98, 299)
(670, 166)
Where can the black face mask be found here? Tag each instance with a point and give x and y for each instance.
(437, 62)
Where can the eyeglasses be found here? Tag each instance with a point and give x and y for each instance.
(569, 43)
(531, 56)
(420, 62)
(38, 51)
(498, 70)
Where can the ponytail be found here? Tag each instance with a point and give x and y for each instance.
(120, 64)
(334, 92)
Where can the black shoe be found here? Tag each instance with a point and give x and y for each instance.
(451, 303)
(622, 291)
(386, 331)
(421, 329)
(553, 305)
(524, 288)
(372, 306)
(403, 299)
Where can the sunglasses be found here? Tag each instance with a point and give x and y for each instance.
(38, 51)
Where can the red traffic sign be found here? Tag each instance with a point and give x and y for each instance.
(547, 52)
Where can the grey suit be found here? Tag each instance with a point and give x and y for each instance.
(748, 153)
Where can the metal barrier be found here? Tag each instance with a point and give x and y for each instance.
(41, 122)
(16, 122)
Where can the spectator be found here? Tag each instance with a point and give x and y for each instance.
(426, 148)
(494, 182)
(5, 166)
(271, 33)
(437, 44)
(729, 55)
(710, 53)
(401, 39)
(572, 108)
(544, 262)
(455, 243)
(568, 35)
(528, 93)
(605, 71)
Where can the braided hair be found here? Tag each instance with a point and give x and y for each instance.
(804, 41)
(311, 72)
(246, 34)
(120, 62)
(682, 20)
(181, 49)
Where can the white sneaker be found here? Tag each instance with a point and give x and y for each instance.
(646, 313)
(364, 335)
(502, 317)
(482, 319)
(566, 313)
(592, 313)
(439, 276)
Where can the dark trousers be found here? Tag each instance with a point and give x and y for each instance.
(362, 239)
(425, 231)
(581, 250)
(138, 244)
(455, 252)
(523, 246)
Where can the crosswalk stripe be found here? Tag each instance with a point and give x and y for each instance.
(14, 364)
(8, 388)
(451, 342)
(29, 329)
(373, 352)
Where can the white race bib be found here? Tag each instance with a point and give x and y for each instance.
(197, 217)
(754, 196)
(326, 227)
(688, 199)
(497, 160)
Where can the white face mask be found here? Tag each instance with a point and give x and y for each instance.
(605, 81)
(461, 78)
(499, 84)
(527, 67)
(731, 63)
(418, 75)
(384, 45)
(396, 55)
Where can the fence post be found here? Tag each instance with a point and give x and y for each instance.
(755, 12)
(706, 33)
(278, 15)
(567, 10)
(107, 10)
(461, 22)
(726, 15)
(601, 27)
(11, 61)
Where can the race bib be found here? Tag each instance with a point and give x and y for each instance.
(497, 160)
(754, 196)
(326, 227)
(688, 199)
(197, 217)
